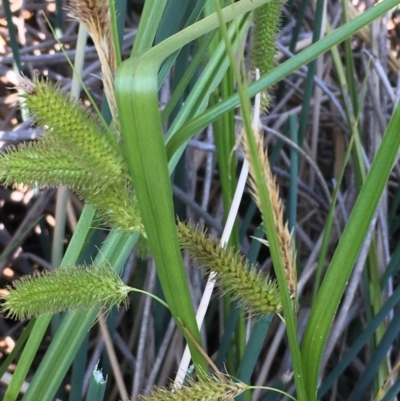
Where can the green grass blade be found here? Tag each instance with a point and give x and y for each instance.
(225, 141)
(392, 268)
(192, 68)
(343, 260)
(294, 174)
(311, 72)
(136, 93)
(152, 11)
(76, 245)
(174, 18)
(78, 370)
(13, 37)
(74, 328)
(253, 349)
(166, 67)
(301, 10)
(60, 355)
(28, 355)
(211, 77)
(375, 361)
(392, 392)
(20, 343)
(282, 71)
(97, 386)
(266, 209)
(59, 18)
(360, 342)
(118, 13)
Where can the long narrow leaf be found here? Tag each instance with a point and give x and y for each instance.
(136, 93)
(279, 73)
(343, 260)
(38, 331)
(74, 327)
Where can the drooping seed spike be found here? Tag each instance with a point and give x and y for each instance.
(74, 126)
(45, 164)
(285, 238)
(95, 15)
(263, 48)
(256, 292)
(209, 388)
(62, 289)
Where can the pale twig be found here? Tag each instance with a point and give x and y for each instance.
(139, 371)
(113, 359)
(96, 17)
(6, 380)
(205, 300)
(160, 356)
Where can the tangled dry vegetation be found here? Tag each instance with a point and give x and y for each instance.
(27, 217)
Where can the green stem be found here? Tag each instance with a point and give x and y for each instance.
(282, 71)
(137, 100)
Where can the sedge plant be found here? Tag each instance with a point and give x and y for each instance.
(123, 172)
(98, 173)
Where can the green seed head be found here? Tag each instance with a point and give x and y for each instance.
(263, 48)
(210, 388)
(45, 164)
(256, 292)
(62, 289)
(73, 126)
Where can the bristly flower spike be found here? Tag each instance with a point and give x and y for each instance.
(45, 164)
(96, 17)
(58, 290)
(286, 244)
(75, 151)
(209, 388)
(256, 292)
(263, 49)
(73, 126)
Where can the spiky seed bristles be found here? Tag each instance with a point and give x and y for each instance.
(263, 49)
(45, 164)
(62, 289)
(75, 152)
(24, 84)
(284, 236)
(255, 291)
(118, 206)
(96, 16)
(73, 126)
(209, 388)
(142, 249)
